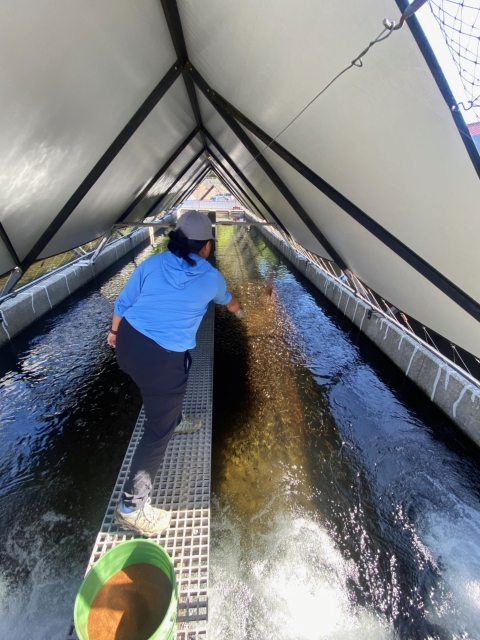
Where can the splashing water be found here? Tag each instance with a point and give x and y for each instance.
(345, 504)
(66, 415)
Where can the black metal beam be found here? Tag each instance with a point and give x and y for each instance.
(158, 175)
(266, 166)
(168, 198)
(228, 187)
(179, 177)
(172, 17)
(180, 194)
(195, 185)
(9, 245)
(109, 155)
(444, 87)
(246, 181)
(187, 195)
(191, 186)
(226, 181)
(207, 192)
(450, 289)
(238, 185)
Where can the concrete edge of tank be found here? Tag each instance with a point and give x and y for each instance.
(22, 310)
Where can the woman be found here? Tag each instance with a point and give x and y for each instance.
(154, 325)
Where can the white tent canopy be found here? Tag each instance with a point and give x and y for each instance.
(379, 173)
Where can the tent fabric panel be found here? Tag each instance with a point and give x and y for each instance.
(166, 180)
(212, 121)
(182, 183)
(273, 197)
(155, 140)
(381, 269)
(382, 135)
(194, 171)
(218, 36)
(73, 74)
(416, 180)
(225, 170)
(220, 131)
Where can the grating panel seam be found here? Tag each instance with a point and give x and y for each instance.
(182, 486)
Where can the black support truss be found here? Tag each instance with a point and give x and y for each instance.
(201, 177)
(172, 17)
(231, 189)
(450, 289)
(224, 175)
(179, 177)
(265, 165)
(192, 185)
(109, 155)
(207, 192)
(227, 181)
(442, 83)
(237, 121)
(245, 180)
(9, 245)
(228, 186)
(158, 175)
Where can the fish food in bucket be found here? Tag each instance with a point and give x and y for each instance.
(130, 593)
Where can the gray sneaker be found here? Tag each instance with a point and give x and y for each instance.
(189, 424)
(148, 521)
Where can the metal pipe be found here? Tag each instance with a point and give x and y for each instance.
(226, 223)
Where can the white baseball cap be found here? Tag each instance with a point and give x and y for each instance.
(195, 225)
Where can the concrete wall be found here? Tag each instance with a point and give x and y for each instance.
(19, 312)
(457, 395)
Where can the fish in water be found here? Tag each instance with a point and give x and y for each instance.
(269, 283)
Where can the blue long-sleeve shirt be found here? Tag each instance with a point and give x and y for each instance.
(166, 299)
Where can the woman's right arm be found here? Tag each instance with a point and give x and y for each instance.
(130, 292)
(233, 306)
(112, 334)
(225, 297)
(125, 300)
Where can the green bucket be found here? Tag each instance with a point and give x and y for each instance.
(118, 558)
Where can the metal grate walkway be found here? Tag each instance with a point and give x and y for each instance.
(183, 487)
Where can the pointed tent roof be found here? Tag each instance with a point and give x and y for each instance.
(111, 108)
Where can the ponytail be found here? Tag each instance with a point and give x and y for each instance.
(181, 246)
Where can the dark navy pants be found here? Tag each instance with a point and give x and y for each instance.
(162, 377)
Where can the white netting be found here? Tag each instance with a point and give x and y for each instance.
(459, 22)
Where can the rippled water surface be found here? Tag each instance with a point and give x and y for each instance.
(66, 416)
(344, 504)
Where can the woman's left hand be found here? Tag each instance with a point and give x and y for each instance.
(112, 340)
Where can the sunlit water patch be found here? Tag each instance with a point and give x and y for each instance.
(345, 504)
